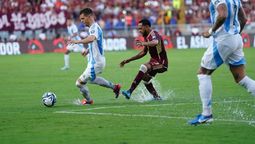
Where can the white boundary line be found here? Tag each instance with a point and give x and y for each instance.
(149, 116)
(159, 105)
(121, 115)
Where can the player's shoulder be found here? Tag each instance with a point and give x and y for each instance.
(93, 27)
(153, 35)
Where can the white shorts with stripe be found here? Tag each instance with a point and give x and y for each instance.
(92, 71)
(228, 50)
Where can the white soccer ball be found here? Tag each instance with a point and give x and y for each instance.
(49, 99)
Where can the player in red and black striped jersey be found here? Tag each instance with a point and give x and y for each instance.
(153, 43)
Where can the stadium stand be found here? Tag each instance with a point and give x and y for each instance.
(120, 15)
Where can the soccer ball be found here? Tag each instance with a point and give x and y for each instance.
(49, 99)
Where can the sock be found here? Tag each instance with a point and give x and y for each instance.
(85, 92)
(136, 81)
(102, 82)
(151, 89)
(66, 60)
(205, 90)
(249, 84)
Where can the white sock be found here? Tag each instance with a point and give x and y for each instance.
(249, 84)
(102, 82)
(205, 90)
(66, 60)
(85, 92)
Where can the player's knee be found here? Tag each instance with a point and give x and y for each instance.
(143, 68)
(79, 83)
(147, 79)
(67, 52)
(146, 82)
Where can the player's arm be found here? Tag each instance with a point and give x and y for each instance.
(148, 43)
(223, 13)
(138, 56)
(74, 35)
(242, 18)
(86, 40)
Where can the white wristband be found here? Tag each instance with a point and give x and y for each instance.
(210, 31)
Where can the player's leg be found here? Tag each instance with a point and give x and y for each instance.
(205, 92)
(81, 84)
(102, 82)
(149, 86)
(156, 67)
(66, 58)
(240, 77)
(237, 66)
(210, 61)
(143, 69)
(95, 79)
(105, 83)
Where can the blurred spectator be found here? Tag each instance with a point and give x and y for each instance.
(124, 14)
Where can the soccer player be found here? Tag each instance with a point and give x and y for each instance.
(158, 63)
(73, 35)
(96, 59)
(228, 19)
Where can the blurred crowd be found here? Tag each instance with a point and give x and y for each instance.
(121, 14)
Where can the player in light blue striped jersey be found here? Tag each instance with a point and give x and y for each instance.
(73, 35)
(96, 59)
(229, 19)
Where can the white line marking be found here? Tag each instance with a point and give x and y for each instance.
(121, 115)
(158, 105)
(149, 116)
(109, 107)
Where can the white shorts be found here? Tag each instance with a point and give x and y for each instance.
(75, 47)
(91, 71)
(229, 51)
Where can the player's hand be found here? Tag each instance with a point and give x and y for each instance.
(123, 63)
(67, 40)
(84, 52)
(207, 33)
(139, 43)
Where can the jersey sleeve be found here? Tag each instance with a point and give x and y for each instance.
(152, 37)
(93, 31)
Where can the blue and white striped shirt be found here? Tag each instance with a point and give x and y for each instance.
(96, 48)
(231, 25)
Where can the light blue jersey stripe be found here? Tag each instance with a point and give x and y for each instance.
(100, 41)
(92, 73)
(92, 62)
(212, 11)
(217, 57)
(227, 22)
(236, 25)
(236, 18)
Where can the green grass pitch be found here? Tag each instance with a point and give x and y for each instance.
(24, 120)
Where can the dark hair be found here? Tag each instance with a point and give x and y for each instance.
(86, 11)
(145, 22)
